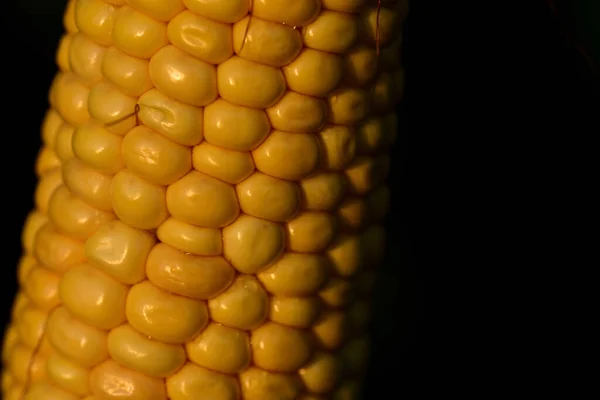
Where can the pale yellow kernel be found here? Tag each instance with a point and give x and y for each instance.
(112, 108)
(286, 155)
(310, 232)
(348, 390)
(360, 65)
(228, 11)
(379, 24)
(189, 238)
(355, 355)
(347, 6)
(71, 99)
(137, 202)
(346, 255)
(258, 384)
(47, 391)
(111, 381)
(297, 13)
(164, 316)
(183, 77)
(300, 74)
(73, 216)
(297, 312)
(85, 58)
(63, 142)
(331, 329)
(88, 184)
(295, 112)
(130, 74)
(322, 191)
(199, 199)
(31, 325)
(348, 106)
(220, 349)
(95, 18)
(41, 286)
(56, 251)
(235, 127)
(24, 267)
(266, 42)
(50, 126)
(193, 382)
(249, 84)
(243, 305)
(227, 165)
(45, 188)
(62, 54)
(337, 293)
(207, 40)
(98, 148)
(68, 20)
(379, 203)
(338, 146)
(332, 31)
(266, 197)
(33, 223)
(295, 274)
(321, 374)
(366, 173)
(158, 9)
(137, 34)
(179, 122)
(374, 241)
(67, 375)
(354, 213)
(272, 340)
(46, 160)
(371, 136)
(120, 251)
(76, 340)
(133, 350)
(196, 277)
(155, 158)
(93, 296)
(251, 244)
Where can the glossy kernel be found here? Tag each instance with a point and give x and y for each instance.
(266, 42)
(199, 199)
(158, 9)
(68, 20)
(189, 238)
(56, 251)
(272, 340)
(311, 232)
(93, 296)
(321, 374)
(31, 325)
(183, 77)
(295, 112)
(68, 375)
(228, 11)
(234, 127)
(47, 184)
(331, 330)
(95, 18)
(137, 34)
(85, 58)
(133, 350)
(98, 148)
(286, 155)
(201, 37)
(155, 158)
(88, 184)
(50, 126)
(334, 32)
(220, 349)
(258, 384)
(164, 316)
(41, 286)
(71, 98)
(120, 251)
(63, 143)
(300, 73)
(249, 84)
(193, 382)
(295, 274)
(298, 13)
(34, 221)
(195, 277)
(227, 165)
(112, 108)
(177, 121)
(338, 147)
(130, 74)
(137, 202)
(296, 312)
(109, 381)
(24, 363)
(346, 255)
(243, 305)
(46, 161)
(266, 197)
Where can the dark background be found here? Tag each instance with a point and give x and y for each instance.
(553, 85)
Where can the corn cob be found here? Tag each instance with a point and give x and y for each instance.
(210, 198)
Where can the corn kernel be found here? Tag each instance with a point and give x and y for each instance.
(311, 232)
(23, 363)
(95, 18)
(346, 255)
(296, 312)
(129, 74)
(360, 65)
(137, 34)
(164, 316)
(45, 189)
(56, 251)
(348, 390)
(33, 223)
(109, 380)
(228, 11)
(62, 54)
(354, 213)
(26, 264)
(220, 349)
(85, 58)
(207, 40)
(50, 126)
(271, 340)
(299, 73)
(46, 161)
(333, 32)
(91, 186)
(189, 238)
(298, 13)
(11, 337)
(295, 112)
(158, 9)
(258, 384)
(348, 106)
(109, 106)
(41, 286)
(63, 143)
(321, 374)
(331, 329)
(295, 274)
(338, 147)
(322, 191)
(366, 173)
(378, 24)
(133, 350)
(69, 17)
(337, 293)
(71, 99)
(68, 375)
(47, 391)
(266, 197)
(227, 165)
(30, 326)
(98, 148)
(193, 382)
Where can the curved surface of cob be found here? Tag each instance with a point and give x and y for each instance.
(210, 198)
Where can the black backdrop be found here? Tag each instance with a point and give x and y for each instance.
(556, 79)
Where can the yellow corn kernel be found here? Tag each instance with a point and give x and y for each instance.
(68, 375)
(258, 384)
(47, 391)
(353, 213)
(63, 142)
(331, 31)
(311, 232)
(337, 293)
(220, 349)
(130, 74)
(228, 11)
(295, 112)
(331, 329)
(26, 264)
(23, 362)
(33, 223)
(295, 274)
(110, 380)
(62, 54)
(41, 286)
(71, 98)
(299, 73)
(189, 238)
(45, 189)
(56, 251)
(297, 312)
(85, 58)
(321, 373)
(137, 34)
(269, 198)
(98, 148)
(348, 106)
(95, 18)
(194, 382)
(298, 13)
(322, 191)
(88, 184)
(111, 107)
(157, 9)
(360, 65)
(227, 165)
(46, 161)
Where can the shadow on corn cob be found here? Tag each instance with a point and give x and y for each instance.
(210, 198)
